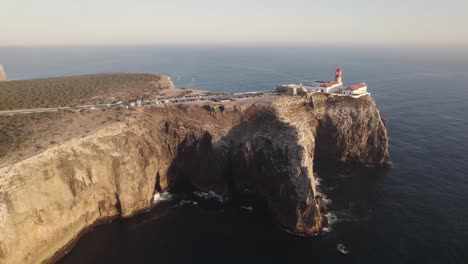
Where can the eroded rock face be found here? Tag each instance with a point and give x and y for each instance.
(351, 131)
(2, 74)
(267, 147)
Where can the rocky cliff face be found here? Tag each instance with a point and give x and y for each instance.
(2, 74)
(265, 146)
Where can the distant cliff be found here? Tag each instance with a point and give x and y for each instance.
(267, 146)
(2, 74)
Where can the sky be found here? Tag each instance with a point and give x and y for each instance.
(95, 22)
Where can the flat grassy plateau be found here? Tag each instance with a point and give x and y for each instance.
(26, 130)
(76, 90)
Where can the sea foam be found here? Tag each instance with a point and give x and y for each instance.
(342, 249)
(210, 195)
(249, 208)
(160, 197)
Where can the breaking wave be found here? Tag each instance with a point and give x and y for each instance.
(161, 197)
(183, 202)
(342, 249)
(249, 208)
(210, 195)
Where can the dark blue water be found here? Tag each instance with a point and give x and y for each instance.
(416, 212)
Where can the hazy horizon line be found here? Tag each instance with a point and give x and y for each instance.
(246, 44)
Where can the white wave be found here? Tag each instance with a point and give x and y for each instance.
(332, 218)
(201, 194)
(325, 199)
(156, 198)
(159, 197)
(187, 202)
(342, 249)
(288, 231)
(318, 181)
(210, 195)
(249, 208)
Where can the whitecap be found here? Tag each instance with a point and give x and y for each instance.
(324, 198)
(210, 195)
(215, 196)
(332, 218)
(160, 197)
(288, 231)
(156, 198)
(318, 181)
(187, 202)
(342, 249)
(249, 208)
(201, 194)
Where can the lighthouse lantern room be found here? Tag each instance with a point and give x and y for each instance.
(338, 75)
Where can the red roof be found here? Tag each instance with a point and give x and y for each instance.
(329, 84)
(357, 86)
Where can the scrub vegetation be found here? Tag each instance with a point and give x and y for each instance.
(14, 130)
(76, 90)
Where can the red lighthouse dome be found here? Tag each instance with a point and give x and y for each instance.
(338, 74)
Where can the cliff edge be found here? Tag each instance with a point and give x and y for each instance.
(265, 146)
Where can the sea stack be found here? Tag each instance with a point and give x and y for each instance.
(2, 74)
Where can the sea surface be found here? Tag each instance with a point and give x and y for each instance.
(415, 212)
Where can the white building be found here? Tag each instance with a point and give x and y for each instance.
(327, 87)
(292, 89)
(357, 89)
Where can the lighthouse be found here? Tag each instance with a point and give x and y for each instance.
(338, 75)
(2, 74)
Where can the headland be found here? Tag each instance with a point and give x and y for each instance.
(111, 161)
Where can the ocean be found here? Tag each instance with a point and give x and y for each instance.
(415, 212)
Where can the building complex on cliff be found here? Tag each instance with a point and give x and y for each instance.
(330, 87)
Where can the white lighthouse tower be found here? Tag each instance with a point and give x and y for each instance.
(338, 75)
(2, 74)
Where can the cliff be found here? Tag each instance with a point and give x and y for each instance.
(266, 146)
(2, 74)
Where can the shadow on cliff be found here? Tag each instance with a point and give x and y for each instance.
(334, 146)
(257, 158)
(350, 178)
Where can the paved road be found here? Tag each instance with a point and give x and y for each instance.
(157, 101)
